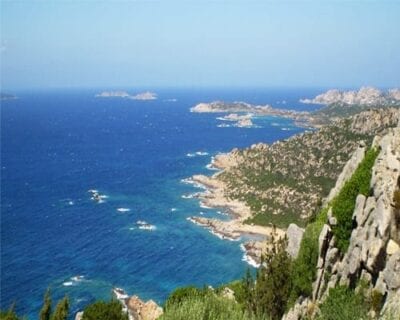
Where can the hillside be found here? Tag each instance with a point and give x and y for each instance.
(285, 182)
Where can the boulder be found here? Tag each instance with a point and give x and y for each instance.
(143, 310)
(391, 273)
(392, 247)
(294, 234)
(358, 215)
(228, 293)
(376, 254)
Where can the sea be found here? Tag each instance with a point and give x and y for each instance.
(59, 144)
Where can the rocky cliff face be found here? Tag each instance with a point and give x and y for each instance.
(374, 251)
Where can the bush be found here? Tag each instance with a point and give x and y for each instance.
(343, 304)
(9, 314)
(273, 286)
(207, 306)
(344, 203)
(101, 310)
(180, 294)
(304, 267)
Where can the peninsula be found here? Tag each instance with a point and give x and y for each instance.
(302, 118)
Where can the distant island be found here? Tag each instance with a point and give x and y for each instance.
(366, 96)
(7, 96)
(147, 95)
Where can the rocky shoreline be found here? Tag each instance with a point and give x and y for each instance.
(300, 118)
(214, 196)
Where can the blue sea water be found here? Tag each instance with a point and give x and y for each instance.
(57, 145)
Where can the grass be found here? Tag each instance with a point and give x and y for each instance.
(205, 306)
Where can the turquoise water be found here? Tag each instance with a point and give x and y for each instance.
(57, 145)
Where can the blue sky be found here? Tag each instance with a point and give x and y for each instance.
(200, 43)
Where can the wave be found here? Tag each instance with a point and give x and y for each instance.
(247, 258)
(193, 183)
(197, 154)
(123, 209)
(68, 283)
(191, 195)
(73, 281)
(143, 225)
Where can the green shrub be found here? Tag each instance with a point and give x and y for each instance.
(273, 285)
(344, 203)
(376, 300)
(180, 294)
(101, 310)
(304, 266)
(343, 304)
(9, 314)
(208, 306)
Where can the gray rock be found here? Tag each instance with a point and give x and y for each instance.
(380, 284)
(391, 273)
(294, 234)
(354, 260)
(383, 217)
(358, 214)
(332, 256)
(376, 254)
(331, 219)
(347, 171)
(323, 240)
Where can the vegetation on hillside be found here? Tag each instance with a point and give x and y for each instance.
(284, 182)
(102, 310)
(344, 203)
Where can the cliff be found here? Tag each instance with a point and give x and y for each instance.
(371, 263)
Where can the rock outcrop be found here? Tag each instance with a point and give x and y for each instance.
(294, 234)
(364, 96)
(374, 250)
(140, 310)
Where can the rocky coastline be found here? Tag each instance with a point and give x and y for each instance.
(301, 118)
(214, 196)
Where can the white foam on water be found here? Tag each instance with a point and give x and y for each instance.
(123, 209)
(68, 283)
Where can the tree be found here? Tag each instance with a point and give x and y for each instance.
(248, 292)
(9, 314)
(62, 309)
(45, 312)
(273, 284)
(101, 310)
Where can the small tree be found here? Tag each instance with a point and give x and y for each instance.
(273, 284)
(101, 310)
(62, 309)
(248, 292)
(45, 312)
(9, 314)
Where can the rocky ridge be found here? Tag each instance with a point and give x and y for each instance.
(374, 251)
(368, 96)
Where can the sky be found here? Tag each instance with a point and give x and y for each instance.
(193, 43)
